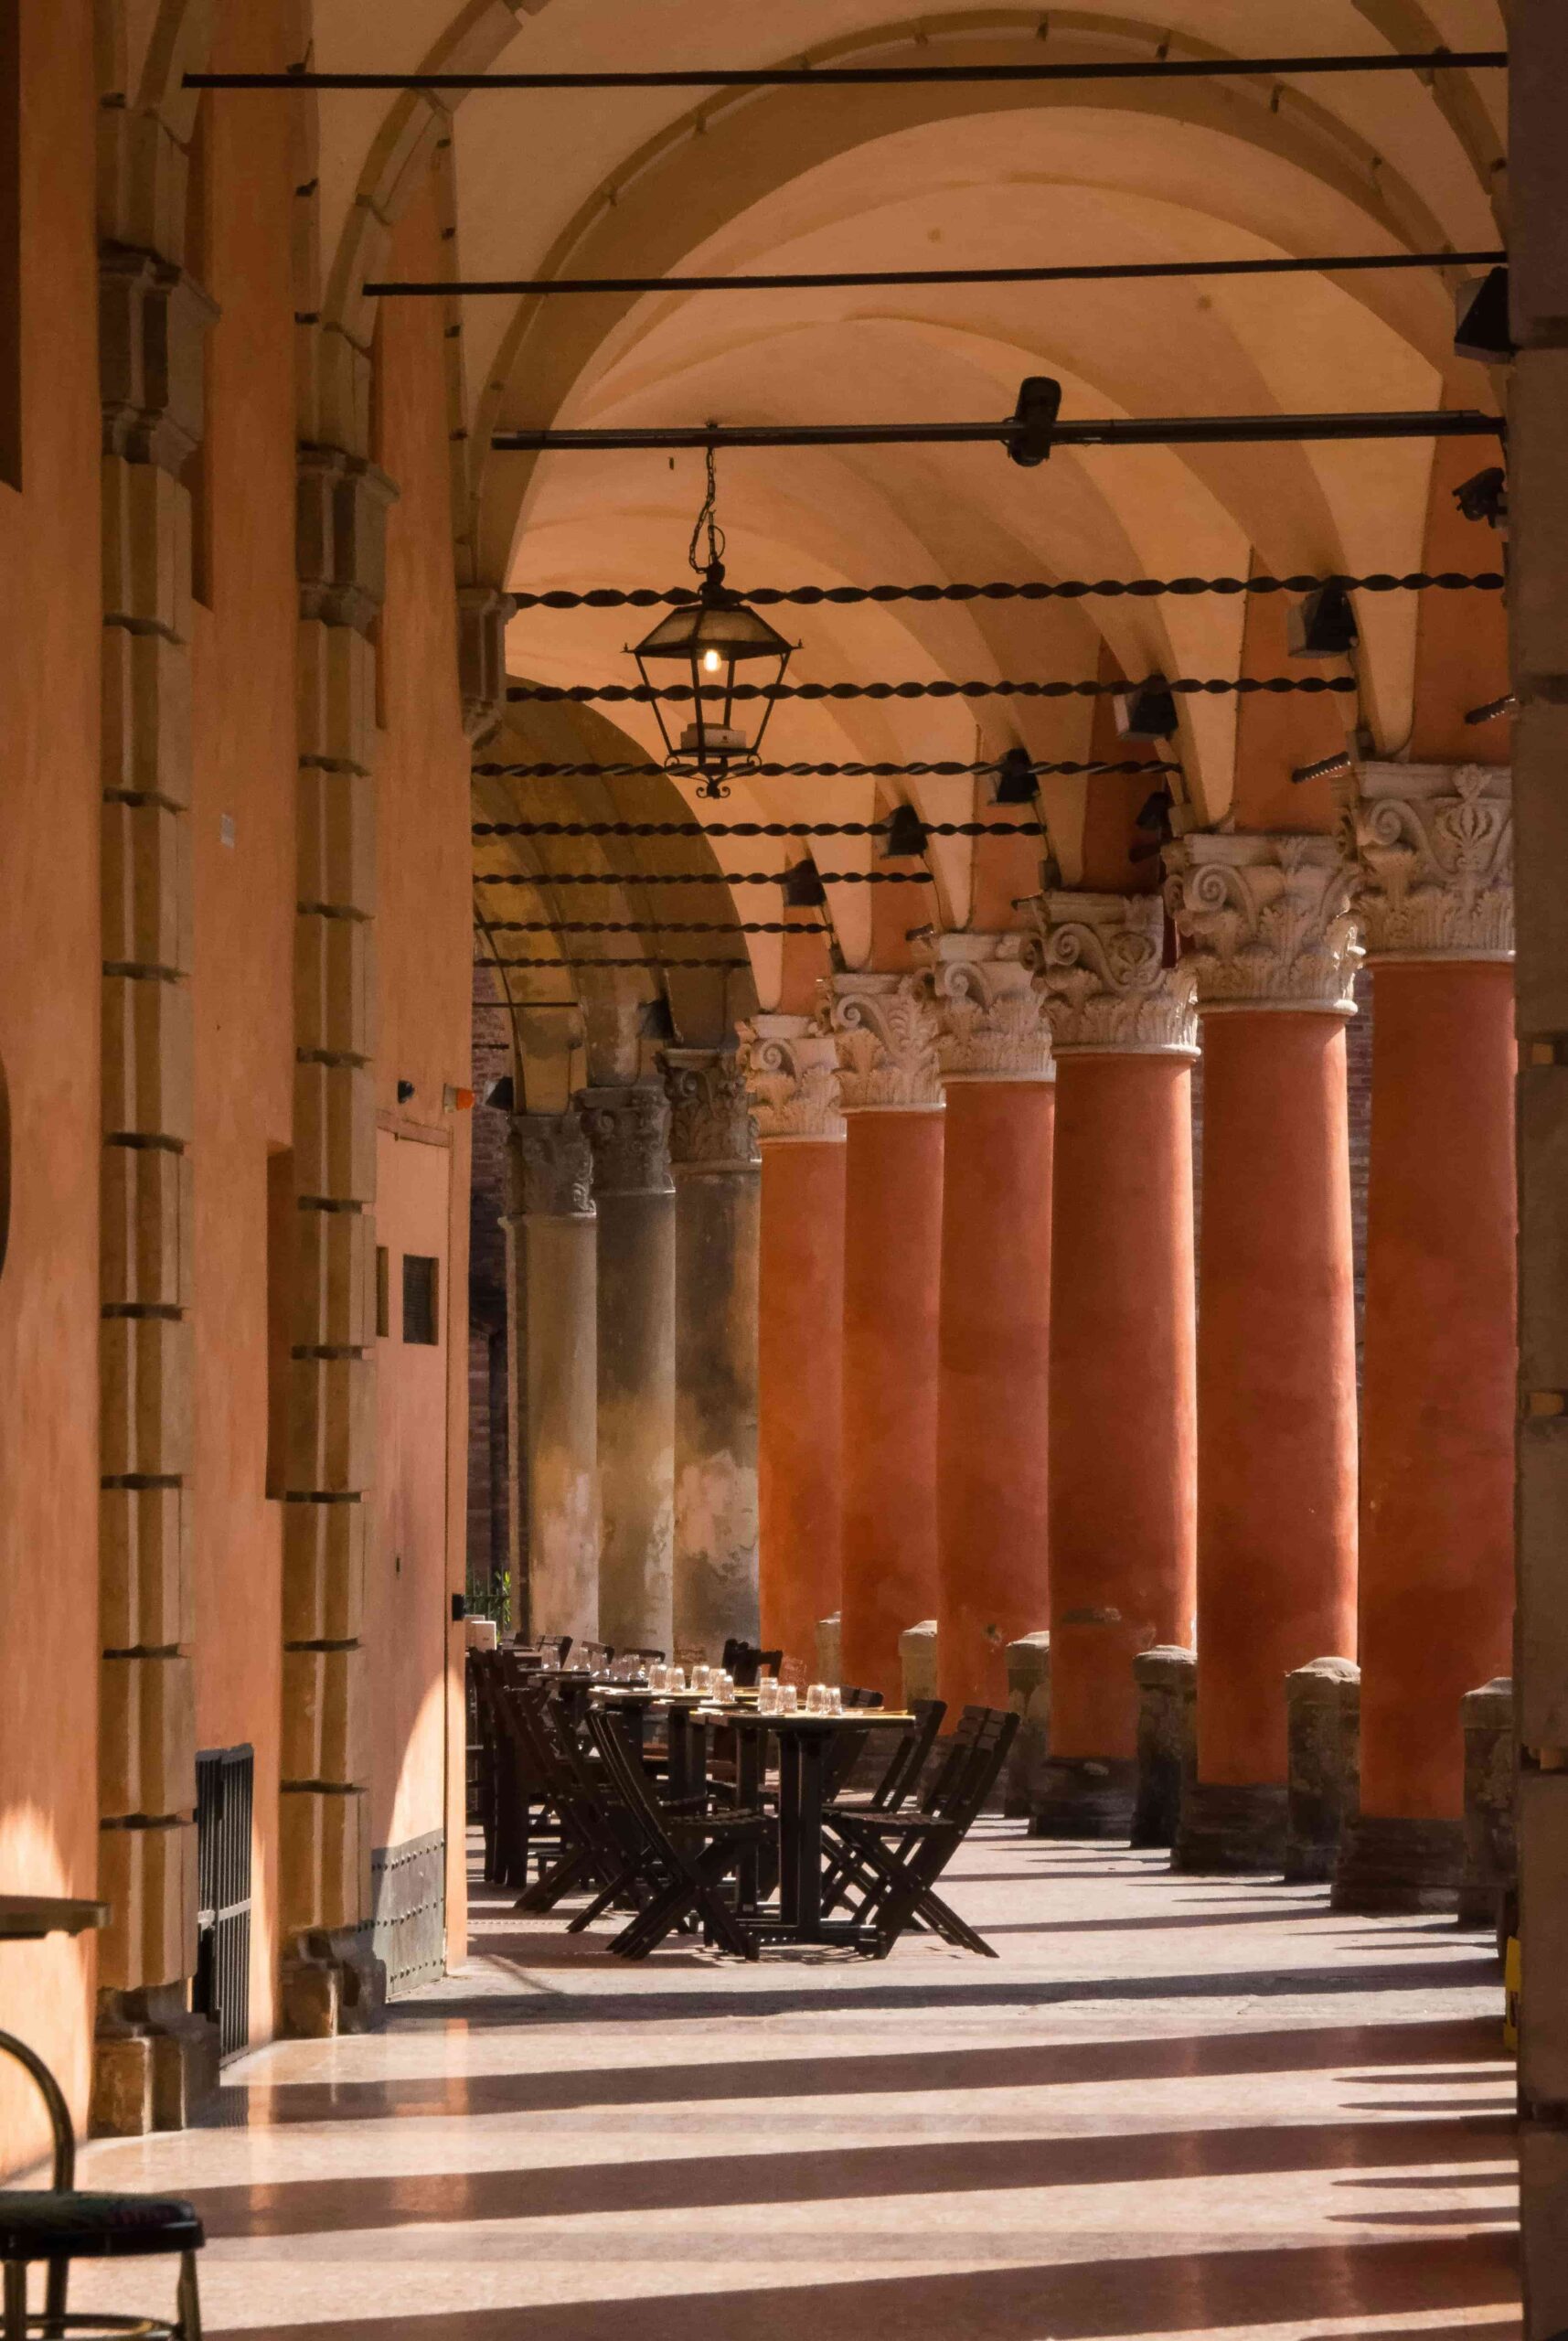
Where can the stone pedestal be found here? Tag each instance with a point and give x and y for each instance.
(155, 2064)
(552, 1324)
(1232, 1831)
(1323, 1712)
(715, 1163)
(918, 1661)
(635, 1196)
(1085, 1796)
(1029, 1695)
(1167, 1683)
(1491, 1867)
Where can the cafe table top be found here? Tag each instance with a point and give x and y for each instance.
(28, 1918)
(800, 1715)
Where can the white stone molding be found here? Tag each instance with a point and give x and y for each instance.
(1266, 920)
(792, 1079)
(886, 1031)
(552, 1167)
(990, 1012)
(1435, 846)
(710, 1116)
(1107, 987)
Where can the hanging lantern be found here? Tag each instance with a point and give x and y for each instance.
(709, 639)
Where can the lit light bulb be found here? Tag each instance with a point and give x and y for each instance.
(711, 661)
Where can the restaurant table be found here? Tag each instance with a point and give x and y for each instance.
(630, 1702)
(805, 1743)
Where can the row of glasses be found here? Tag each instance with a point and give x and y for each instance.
(667, 1678)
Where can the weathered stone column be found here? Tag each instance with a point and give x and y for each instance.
(1491, 1793)
(890, 1086)
(1123, 1444)
(1323, 1711)
(713, 1154)
(1435, 846)
(1272, 943)
(634, 1194)
(993, 1047)
(552, 1234)
(791, 1075)
(1167, 1680)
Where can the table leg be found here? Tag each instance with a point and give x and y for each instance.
(789, 1830)
(749, 1746)
(814, 1747)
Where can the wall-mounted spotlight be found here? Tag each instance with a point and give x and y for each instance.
(656, 1023)
(1484, 496)
(1507, 705)
(498, 1094)
(1324, 767)
(1145, 713)
(1016, 782)
(1481, 328)
(906, 833)
(1033, 420)
(803, 887)
(1154, 819)
(1323, 625)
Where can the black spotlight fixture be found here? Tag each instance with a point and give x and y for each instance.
(656, 1023)
(1015, 778)
(803, 887)
(1484, 496)
(1481, 320)
(1323, 625)
(1147, 711)
(1034, 420)
(499, 1094)
(710, 638)
(1153, 819)
(905, 834)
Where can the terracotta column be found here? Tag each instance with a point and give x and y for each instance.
(1123, 1440)
(552, 1267)
(995, 1053)
(629, 1131)
(1274, 948)
(890, 1084)
(1436, 845)
(713, 1155)
(793, 1080)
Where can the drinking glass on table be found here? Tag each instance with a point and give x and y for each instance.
(675, 1678)
(789, 1699)
(767, 1696)
(817, 1699)
(724, 1688)
(834, 1700)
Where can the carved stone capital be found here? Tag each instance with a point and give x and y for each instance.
(792, 1079)
(1266, 919)
(1435, 846)
(482, 614)
(341, 508)
(550, 1166)
(153, 322)
(1107, 989)
(990, 1011)
(628, 1130)
(710, 1116)
(885, 1030)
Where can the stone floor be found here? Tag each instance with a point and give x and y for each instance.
(1170, 2107)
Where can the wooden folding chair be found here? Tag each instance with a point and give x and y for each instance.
(686, 1855)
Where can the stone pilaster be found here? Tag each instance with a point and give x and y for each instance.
(552, 1332)
(1106, 987)
(482, 612)
(1267, 921)
(792, 1080)
(1435, 846)
(886, 1031)
(153, 2059)
(992, 1024)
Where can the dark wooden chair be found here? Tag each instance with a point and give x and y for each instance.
(894, 1859)
(686, 1857)
(60, 2223)
(745, 1662)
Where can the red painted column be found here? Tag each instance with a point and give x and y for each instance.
(1438, 1396)
(791, 1071)
(1123, 1432)
(890, 1087)
(1274, 951)
(994, 1348)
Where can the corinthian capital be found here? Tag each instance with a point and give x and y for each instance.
(886, 1032)
(1434, 843)
(991, 1021)
(1267, 920)
(550, 1167)
(710, 1116)
(629, 1132)
(1107, 989)
(792, 1079)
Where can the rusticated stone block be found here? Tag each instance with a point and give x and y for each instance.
(153, 322)
(1231, 1831)
(331, 1982)
(1492, 1787)
(1084, 1796)
(145, 1594)
(144, 1368)
(146, 697)
(143, 174)
(917, 1660)
(334, 1132)
(324, 1858)
(145, 1259)
(336, 696)
(336, 389)
(343, 504)
(147, 548)
(1323, 1709)
(146, 1736)
(324, 1571)
(332, 1425)
(1029, 1695)
(1543, 1937)
(147, 1058)
(155, 2064)
(323, 1712)
(335, 985)
(1167, 1680)
(145, 887)
(336, 837)
(146, 1873)
(334, 1298)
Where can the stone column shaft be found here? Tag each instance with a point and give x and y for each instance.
(553, 1230)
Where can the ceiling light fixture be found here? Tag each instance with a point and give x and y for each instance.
(1323, 625)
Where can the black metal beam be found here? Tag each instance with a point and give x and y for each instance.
(844, 280)
(1107, 430)
(838, 77)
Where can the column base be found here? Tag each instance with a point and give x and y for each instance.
(1231, 1831)
(1389, 1867)
(1084, 1796)
(330, 1982)
(154, 2065)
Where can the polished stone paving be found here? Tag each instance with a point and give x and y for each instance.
(1171, 2106)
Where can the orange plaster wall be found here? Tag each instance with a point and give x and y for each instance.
(51, 610)
(1461, 643)
(424, 960)
(1275, 735)
(242, 969)
(1114, 800)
